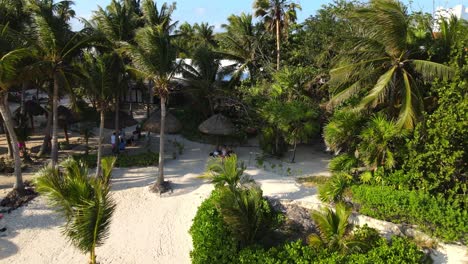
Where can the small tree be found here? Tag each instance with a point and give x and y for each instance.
(334, 230)
(83, 201)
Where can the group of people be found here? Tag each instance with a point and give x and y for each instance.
(119, 140)
(222, 152)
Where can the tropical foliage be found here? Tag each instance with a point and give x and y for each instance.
(83, 201)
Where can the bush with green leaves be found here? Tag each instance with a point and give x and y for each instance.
(341, 133)
(438, 152)
(333, 189)
(398, 250)
(438, 216)
(246, 213)
(213, 242)
(83, 201)
(343, 163)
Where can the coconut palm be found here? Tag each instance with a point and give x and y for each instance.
(242, 42)
(56, 45)
(204, 34)
(117, 23)
(202, 76)
(277, 16)
(11, 55)
(154, 59)
(83, 201)
(100, 75)
(334, 230)
(384, 65)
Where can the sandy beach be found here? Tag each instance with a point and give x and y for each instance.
(146, 227)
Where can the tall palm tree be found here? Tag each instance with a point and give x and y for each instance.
(154, 59)
(100, 76)
(56, 45)
(11, 55)
(277, 15)
(243, 42)
(204, 34)
(117, 23)
(83, 201)
(384, 65)
(202, 75)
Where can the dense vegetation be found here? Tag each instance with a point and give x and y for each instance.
(385, 88)
(235, 230)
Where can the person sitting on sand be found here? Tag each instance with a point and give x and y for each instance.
(224, 151)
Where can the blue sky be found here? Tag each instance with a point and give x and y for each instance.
(215, 12)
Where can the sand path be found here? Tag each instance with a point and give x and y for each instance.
(146, 228)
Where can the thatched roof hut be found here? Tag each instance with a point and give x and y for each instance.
(153, 124)
(217, 125)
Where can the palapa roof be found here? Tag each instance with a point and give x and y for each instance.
(217, 125)
(153, 124)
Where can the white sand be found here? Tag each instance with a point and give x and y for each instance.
(147, 228)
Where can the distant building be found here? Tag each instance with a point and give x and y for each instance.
(459, 11)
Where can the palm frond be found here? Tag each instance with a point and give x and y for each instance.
(431, 70)
(377, 93)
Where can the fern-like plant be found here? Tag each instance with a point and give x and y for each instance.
(334, 230)
(227, 171)
(82, 200)
(333, 189)
(245, 212)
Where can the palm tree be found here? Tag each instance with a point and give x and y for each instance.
(376, 146)
(243, 42)
(83, 201)
(227, 171)
(101, 74)
(56, 45)
(11, 56)
(243, 210)
(384, 65)
(204, 34)
(117, 23)
(341, 133)
(334, 230)
(154, 59)
(202, 75)
(277, 15)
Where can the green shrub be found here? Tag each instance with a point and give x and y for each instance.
(437, 156)
(124, 161)
(399, 250)
(212, 240)
(332, 190)
(343, 163)
(438, 216)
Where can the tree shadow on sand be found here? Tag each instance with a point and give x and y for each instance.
(17, 220)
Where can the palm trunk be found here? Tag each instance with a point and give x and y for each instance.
(99, 152)
(117, 110)
(45, 144)
(23, 89)
(8, 140)
(160, 180)
(6, 115)
(277, 44)
(54, 154)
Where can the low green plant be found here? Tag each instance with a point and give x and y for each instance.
(246, 213)
(334, 231)
(213, 242)
(333, 189)
(227, 171)
(83, 201)
(344, 163)
(440, 217)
